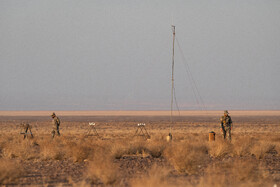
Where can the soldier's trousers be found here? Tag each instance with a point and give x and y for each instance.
(227, 133)
(55, 131)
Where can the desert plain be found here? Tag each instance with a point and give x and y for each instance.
(117, 156)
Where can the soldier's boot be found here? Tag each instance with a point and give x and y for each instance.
(229, 135)
(225, 134)
(57, 130)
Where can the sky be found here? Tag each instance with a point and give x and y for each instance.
(117, 54)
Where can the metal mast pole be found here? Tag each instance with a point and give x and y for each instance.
(172, 89)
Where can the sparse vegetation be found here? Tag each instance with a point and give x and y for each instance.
(102, 169)
(116, 158)
(10, 171)
(187, 156)
(156, 176)
(235, 172)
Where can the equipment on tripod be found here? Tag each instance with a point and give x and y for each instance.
(141, 131)
(92, 130)
(25, 127)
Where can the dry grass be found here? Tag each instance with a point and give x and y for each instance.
(157, 176)
(261, 148)
(240, 147)
(138, 146)
(243, 146)
(10, 171)
(277, 147)
(244, 173)
(191, 160)
(102, 169)
(51, 149)
(220, 148)
(18, 148)
(187, 156)
(235, 173)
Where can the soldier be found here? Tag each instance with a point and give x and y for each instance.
(56, 124)
(226, 125)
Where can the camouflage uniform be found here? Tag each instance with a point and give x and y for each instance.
(56, 124)
(226, 125)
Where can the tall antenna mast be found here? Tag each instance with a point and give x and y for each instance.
(172, 89)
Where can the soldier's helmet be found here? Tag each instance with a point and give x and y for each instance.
(53, 114)
(226, 112)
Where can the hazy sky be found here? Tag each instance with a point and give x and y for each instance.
(116, 54)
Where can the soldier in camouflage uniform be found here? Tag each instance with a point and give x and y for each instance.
(226, 125)
(56, 124)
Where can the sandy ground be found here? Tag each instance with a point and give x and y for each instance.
(112, 125)
(138, 113)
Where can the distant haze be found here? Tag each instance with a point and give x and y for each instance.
(116, 54)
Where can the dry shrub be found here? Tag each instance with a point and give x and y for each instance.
(119, 149)
(68, 147)
(157, 176)
(274, 138)
(18, 148)
(220, 148)
(277, 147)
(261, 148)
(102, 169)
(187, 156)
(234, 173)
(137, 147)
(156, 148)
(79, 150)
(242, 146)
(82, 183)
(51, 149)
(10, 171)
